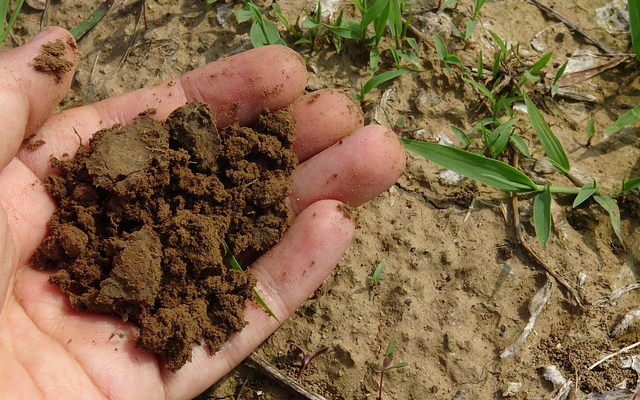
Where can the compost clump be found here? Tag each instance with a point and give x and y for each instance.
(143, 215)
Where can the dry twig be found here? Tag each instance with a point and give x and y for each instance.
(573, 26)
(272, 372)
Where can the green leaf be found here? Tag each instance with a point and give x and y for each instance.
(452, 59)
(482, 88)
(476, 9)
(634, 25)
(541, 63)
(374, 10)
(591, 129)
(4, 9)
(411, 57)
(441, 48)
(374, 59)
(479, 65)
(463, 137)
(390, 348)
(630, 117)
(502, 134)
(397, 365)
(244, 15)
(542, 215)
(520, 145)
(375, 278)
(264, 34)
(629, 185)
(586, 191)
(12, 20)
(496, 65)
(235, 265)
(414, 45)
(84, 27)
(492, 172)
(380, 22)
(379, 79)
(471, 26)
(395, 19)
(612, 208)
(349, 29)
(560, 72)
(501, 44)
(549, 141)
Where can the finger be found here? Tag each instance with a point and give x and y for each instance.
(287, 275)
(353, 171)
(28, 96)
(237, 88)
(322, 119)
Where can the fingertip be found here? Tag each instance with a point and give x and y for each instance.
(323, 118)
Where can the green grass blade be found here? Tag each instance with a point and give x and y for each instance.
(379, 79)
(463, 137)
(231, 259)
(486, 170)
(502, 134)
(374, 60)
(4, 9)
(441, 48)
(550, 142)
(476, 9)
(560, 72)
(471, 26)
(84, 27)
(591, 128)
(12, 21)
(634, 24)
(542, 215)
(630, 117)
(380, 22)
(541, 63)
(501, 44)
(374, 9)
(610, 205)
(631, 184)
(520, 145)
(482, 88)
(587, 191)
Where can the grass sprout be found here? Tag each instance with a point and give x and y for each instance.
(4, 10)
(387, 364)
(374, 279)
(79, 31)
(233, 262)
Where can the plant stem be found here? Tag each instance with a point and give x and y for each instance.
(563, 189)
(380, 390)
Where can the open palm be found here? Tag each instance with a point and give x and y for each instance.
(48, 350)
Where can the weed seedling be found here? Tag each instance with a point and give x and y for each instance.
(4, 9)
(307, 358)
(387, 364)
(262, 32)
(233, 262)
(374, 279)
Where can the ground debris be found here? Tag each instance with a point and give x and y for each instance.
(535, 308)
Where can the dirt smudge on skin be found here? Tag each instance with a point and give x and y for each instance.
(142, 218)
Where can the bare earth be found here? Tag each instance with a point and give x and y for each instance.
(442, 296)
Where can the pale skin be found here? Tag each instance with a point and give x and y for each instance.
(50, 351)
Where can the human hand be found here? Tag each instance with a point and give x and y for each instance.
(48, 350)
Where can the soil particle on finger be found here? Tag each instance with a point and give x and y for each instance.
(143, 214)
(51, 60)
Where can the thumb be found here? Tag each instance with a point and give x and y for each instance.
(33, 79)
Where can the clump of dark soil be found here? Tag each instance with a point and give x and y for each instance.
(143, 214)
(51, 60)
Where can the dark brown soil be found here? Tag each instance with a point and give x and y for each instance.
(51, 60)
(142, 218)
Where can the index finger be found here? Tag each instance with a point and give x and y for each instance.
(237, 88)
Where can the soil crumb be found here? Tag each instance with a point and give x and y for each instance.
(143, 215)
(35, 144)
(51, 60)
